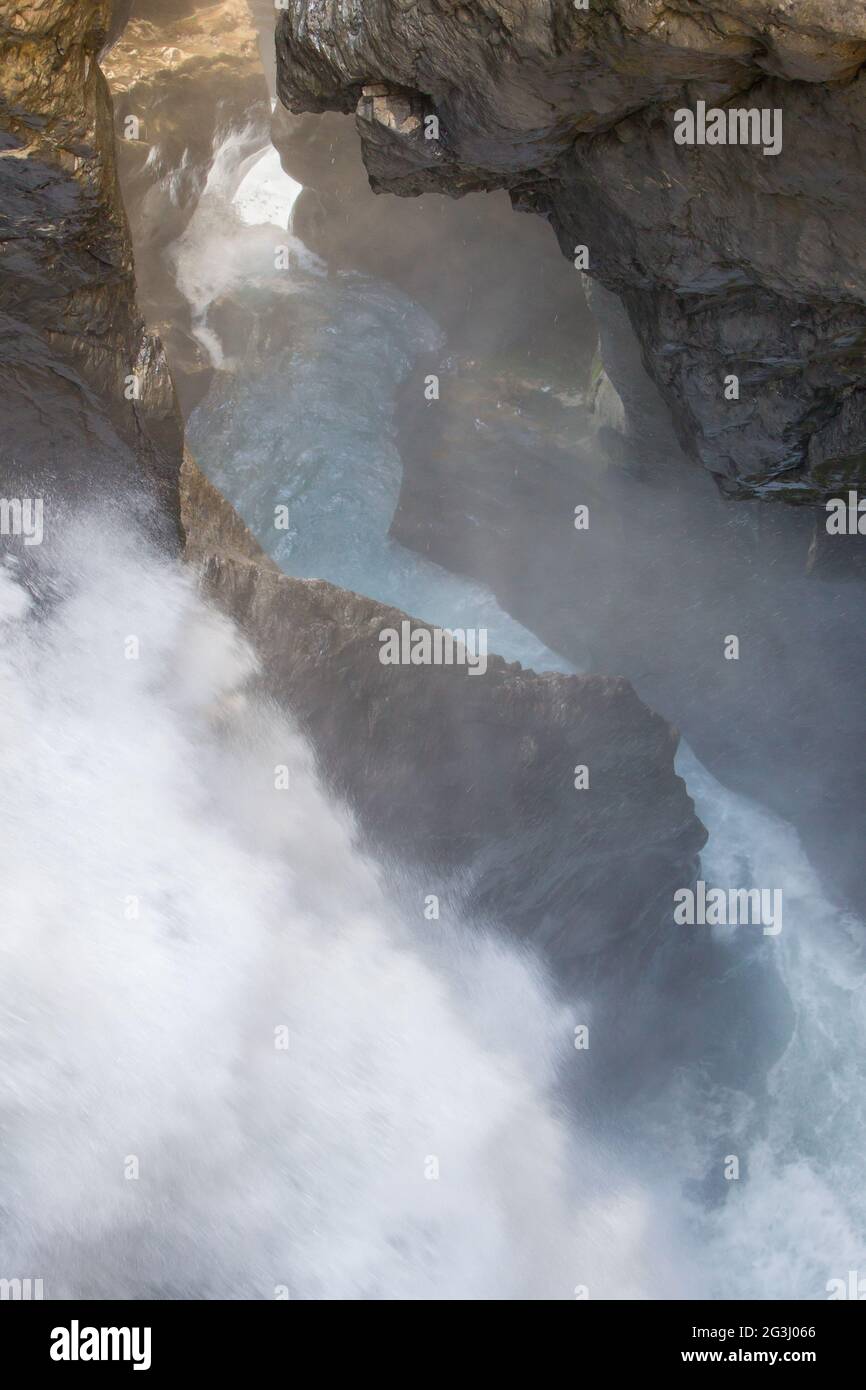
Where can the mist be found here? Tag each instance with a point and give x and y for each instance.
(256, 1045)
(235, 1067)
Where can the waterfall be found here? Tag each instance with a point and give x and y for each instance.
(237, 1058)
(306, 423)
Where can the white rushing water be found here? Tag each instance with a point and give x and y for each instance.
(797, 1219)
(166, 912)
(309, 426)
(302, 418)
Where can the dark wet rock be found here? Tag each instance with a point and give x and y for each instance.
(87, 397)
(728, 261)
(453, 771)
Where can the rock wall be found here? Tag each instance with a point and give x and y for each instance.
(729, 261)
(469, 782)
(455, 772)
(87, 396)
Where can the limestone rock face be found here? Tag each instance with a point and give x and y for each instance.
(87, 396)
(730, 261)
(469, 779)
(457, 773)
(454, 772)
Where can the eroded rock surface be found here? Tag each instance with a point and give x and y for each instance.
(87, 396)
(729, 261)
(476, 773)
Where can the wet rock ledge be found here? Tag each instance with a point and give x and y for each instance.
(88, 400)
(455, 772)
(729, 262)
